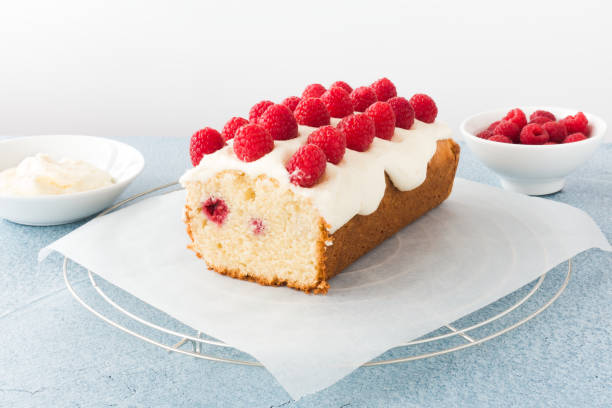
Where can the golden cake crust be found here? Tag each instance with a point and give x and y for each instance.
(396, 210)
(362, 233)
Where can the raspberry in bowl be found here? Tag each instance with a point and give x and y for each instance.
(550, 144)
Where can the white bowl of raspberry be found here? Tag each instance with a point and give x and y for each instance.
(533, 149)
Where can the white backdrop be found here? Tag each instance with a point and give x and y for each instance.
(167, 68)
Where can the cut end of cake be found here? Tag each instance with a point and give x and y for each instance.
(250, 228)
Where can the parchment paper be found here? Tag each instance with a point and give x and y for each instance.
(478, 246)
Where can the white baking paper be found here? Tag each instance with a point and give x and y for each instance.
(478, 246)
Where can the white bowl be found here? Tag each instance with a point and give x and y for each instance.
(122, 161)
(531, 169)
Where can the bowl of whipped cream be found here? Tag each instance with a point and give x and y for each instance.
(57, 179)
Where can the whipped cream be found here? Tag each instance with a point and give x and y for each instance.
(41, 175)
(354, 186)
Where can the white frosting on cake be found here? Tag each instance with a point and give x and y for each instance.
(356, 185)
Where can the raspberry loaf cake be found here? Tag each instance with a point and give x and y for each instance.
(302, 189)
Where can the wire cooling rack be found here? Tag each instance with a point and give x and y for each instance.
(479, 327)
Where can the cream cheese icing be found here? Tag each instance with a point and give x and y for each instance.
(354, 186)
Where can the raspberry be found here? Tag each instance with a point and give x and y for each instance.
(257, 226)
(485, 134)
(556, 131)
(540, 120)
(232, 125)
(279, 121)
(493, 125)
(306, 166)
(517, 116)
(576, 124)
(533, 134)
(500, 138)
(363, 97)
(384, 119)
(544, 113)
(204, 141)
(338, 102)
(258, 109)
(311, 112)
(331, 140)
(252, 142)
(343, 85)
(291, 102)
(508, 129)
(425, 108)
(359, 130)
(575, 137)
(313, 91)
(384, 89)
(215, 209)
(404, 114)
(550, 143)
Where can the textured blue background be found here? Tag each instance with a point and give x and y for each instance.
(54, 353)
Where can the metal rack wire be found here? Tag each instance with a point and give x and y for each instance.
(454, 330)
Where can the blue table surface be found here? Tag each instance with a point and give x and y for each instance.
(54, 353)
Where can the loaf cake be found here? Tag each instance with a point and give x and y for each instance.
(299, 191)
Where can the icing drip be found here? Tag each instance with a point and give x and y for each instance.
(356, 185)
